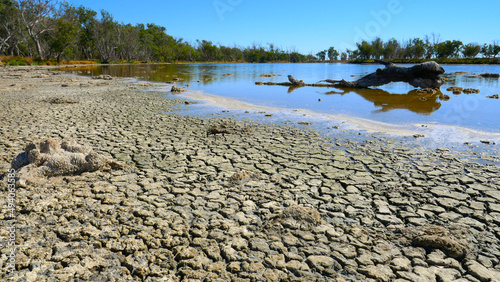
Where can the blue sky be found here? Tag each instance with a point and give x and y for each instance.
(310, 26)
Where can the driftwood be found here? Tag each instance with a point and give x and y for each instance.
(294, 84)
(424, 75)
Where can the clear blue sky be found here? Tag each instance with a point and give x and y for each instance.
(310, 26)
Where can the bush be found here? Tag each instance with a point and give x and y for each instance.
(16, 60)
(83, 62)
(17, 63)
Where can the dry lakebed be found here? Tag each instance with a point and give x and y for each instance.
(110, 183)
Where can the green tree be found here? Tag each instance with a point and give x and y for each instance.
(332, 54)
(496, 50)
(417, 48)
(36, 18)
(431, 45)
(471, 50)
(490, 50)
(378, 48)
(105, 37)
(448, 49)
(352, 54)
(321, 55)
(343, 56)
(11, 28)
(296, 57)
(365, 50)
(65, 34)
(391, 47)
(128, 42)
(156, 42)
(86, 20)
(208, 51)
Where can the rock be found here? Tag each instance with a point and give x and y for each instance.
(388, 219)
(471, 91)
(217, 267)
(177, 89)
(271, 275)
(234, 266)
(259, 244)
(297, 267)
(379, 272)
(184, 252)
(103, 76)
(321, 263)
(448, 274)
(444, 97)
(455, 90)
(252, 267)
(492, 75)
(481, 272)
(427, 91)
(400, 264)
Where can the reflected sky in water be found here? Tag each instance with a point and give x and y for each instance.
(396, 103)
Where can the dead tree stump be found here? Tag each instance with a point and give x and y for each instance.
(424, 75)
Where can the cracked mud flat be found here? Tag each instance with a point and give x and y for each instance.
(268, 203)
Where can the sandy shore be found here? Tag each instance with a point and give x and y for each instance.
(263, 203)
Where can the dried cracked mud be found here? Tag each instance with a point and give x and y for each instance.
(250, 202)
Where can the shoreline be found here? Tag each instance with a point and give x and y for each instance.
(269, 203)
(348, 123)
(452, 61)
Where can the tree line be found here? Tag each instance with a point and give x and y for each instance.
(46, 30)
(430, 47)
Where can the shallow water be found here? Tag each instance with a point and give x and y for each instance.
(395, 104)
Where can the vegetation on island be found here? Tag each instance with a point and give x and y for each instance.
(46, 32)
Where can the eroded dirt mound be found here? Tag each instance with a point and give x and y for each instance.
(48, 158)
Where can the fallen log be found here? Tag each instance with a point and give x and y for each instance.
(424, 75)
(294, 84)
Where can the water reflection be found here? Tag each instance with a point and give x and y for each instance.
(420, 103)
(237, 81)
